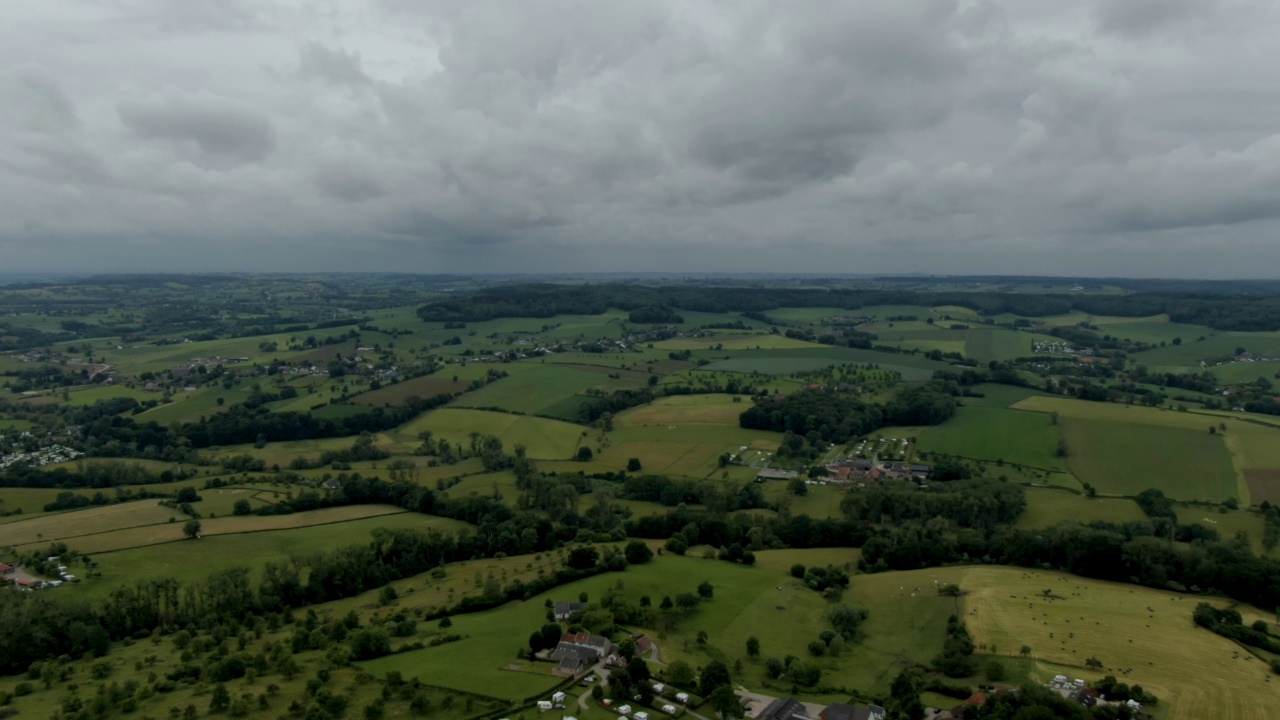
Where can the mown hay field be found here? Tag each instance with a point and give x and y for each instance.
(1142, 636)
(89, 521)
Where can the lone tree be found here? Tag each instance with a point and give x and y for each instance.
(753, 647)
(192, 528)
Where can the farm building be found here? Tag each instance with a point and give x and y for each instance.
(563, 610)
(6, 569)
(578, 651)
(841, 711)
(772, 474)
(573, 659)
(784, 709)
(600, 644)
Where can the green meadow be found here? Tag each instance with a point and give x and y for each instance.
(555, 390)
(544, 438)
(1047, 507)
(1124, 459)
(987, 433)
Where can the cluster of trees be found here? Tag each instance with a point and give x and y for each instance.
(67, 500)
(712, 493)
(956, 658)
(978, 503)
(98, 476)
(835, 417)
(1228, 623)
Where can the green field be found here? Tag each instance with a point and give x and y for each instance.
(190, 560)
(818, 502)
(30, 500)
(1254, 446)
(1046, 507)
(544, 389)
(544, 438)
(689, 450)
(685, 410)
(91, 395)
(985, 344)
(1124, 459)
(785, 362)
(987, 433)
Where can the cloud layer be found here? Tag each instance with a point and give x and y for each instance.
(1134, 137)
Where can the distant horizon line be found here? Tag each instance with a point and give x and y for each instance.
(51, 274)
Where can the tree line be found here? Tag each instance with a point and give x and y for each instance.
(1222, 312)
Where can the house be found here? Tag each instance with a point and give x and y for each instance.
(784, 709)
(331, 484)
(600, 644)
(5, 569)
(643, 646)
(563, 610)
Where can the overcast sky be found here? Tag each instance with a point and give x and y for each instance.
(1126, 137)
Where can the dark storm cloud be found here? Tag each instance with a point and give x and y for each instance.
(1123, 136)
